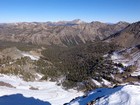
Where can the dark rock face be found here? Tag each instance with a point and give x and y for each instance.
(64, 35)
(128, 37)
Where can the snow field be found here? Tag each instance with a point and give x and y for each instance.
(47, 91)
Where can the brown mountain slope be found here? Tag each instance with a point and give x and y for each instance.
(42, 33)
(128, 37)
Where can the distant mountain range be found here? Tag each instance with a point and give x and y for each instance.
(63, 33)
(66, 23)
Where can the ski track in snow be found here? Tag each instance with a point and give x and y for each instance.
(47, 91)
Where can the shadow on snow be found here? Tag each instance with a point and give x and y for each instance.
(19, 99)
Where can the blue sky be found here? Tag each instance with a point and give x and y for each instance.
(56, 10)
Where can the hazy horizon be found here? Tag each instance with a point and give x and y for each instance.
(63, 20)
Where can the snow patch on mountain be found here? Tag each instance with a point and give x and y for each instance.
(33, 57)
(106, 82)
(96, 82)
(118, 58)
(128, 57)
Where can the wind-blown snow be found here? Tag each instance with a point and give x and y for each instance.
(122, 95)
(47, 91)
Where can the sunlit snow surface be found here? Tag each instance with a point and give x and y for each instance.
(122, 95)
(47, 91)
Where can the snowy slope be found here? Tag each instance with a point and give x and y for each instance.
(44, 90)
(128, 95)
(122, 95)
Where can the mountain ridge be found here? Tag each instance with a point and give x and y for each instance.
(128, 37)
(63, 35)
